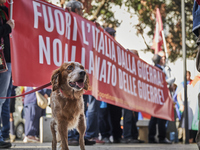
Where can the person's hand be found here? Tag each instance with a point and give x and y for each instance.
(68, 9)
(97, 24)
(46, 96)
(11, 23)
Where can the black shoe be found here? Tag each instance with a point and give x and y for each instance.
(124, 140)
(135, 141)
(88, 142)
(73, 142)
(5, 144)
(117, 140)
(130, 140)
(106, 140)
(165, 141)
(153, 141)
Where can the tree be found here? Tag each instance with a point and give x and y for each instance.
(146, 11)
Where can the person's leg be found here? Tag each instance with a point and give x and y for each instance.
(5, 114)
(152, 129)
(115, 116)
(73, 135)
(127, 123)
(5, 78)
(32, 115)
(135, 133)
(4, 84)
(92, 130)
(162, 132)
(104, 124)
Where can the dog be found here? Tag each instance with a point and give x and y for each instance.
(68, 85)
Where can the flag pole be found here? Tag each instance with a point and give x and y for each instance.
(165, 45)
(11, 8)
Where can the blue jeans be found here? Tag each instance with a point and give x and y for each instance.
(73, 134)
(92, 117)
(5, 114)
(130, 128)
(5, 78)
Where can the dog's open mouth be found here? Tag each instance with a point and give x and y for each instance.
(78, 84)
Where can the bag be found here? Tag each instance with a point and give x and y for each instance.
(42, 102)
(3, 66)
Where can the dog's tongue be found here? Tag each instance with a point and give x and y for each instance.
(80, 84)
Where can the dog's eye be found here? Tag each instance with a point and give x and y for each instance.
(70, 68)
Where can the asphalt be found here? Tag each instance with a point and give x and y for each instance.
(19, 145)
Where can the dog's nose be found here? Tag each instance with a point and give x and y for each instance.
(82, 73)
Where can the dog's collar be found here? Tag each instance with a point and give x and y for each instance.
(61, 91)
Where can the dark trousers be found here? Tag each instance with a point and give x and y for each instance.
(130, 129)
(115, 117)
(104, 122)
(161, 128)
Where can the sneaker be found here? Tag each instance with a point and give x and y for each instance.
(96, 139)
(31, 139)
(106, 140)
(5, 144)
(165, 141)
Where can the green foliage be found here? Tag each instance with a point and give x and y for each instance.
(146, 11)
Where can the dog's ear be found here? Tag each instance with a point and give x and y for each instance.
(55, 80)
(86, 84)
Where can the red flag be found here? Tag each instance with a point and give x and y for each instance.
(6, 4)
(157, 40)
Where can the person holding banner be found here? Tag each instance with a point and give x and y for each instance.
(92, 130)
(110, 115)
(6, 27)
(130, 118)
(159, 62)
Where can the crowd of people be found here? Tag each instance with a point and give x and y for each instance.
(103, 119)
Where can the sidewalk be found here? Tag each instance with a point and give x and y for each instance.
(19, 145)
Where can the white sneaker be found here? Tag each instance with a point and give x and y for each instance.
(31, 139)
(25, 139)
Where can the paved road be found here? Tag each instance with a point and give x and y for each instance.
(47, 146)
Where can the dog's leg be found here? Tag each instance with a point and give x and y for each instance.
(63, 131)
(81, 129)
(53, 131)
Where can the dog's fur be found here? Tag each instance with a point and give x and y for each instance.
(67, 103)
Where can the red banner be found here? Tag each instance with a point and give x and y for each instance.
(45, 36)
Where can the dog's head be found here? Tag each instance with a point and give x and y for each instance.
(72, 76)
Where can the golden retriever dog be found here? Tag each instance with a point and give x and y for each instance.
(67, 103)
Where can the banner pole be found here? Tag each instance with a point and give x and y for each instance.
(11, 8)
(165, 46)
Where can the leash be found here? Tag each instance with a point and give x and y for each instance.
(34, 90)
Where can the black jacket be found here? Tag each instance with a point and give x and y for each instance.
(5, 30)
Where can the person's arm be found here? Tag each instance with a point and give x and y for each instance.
(169, 77)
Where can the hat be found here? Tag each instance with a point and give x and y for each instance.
(110, 30)
(156, 59)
